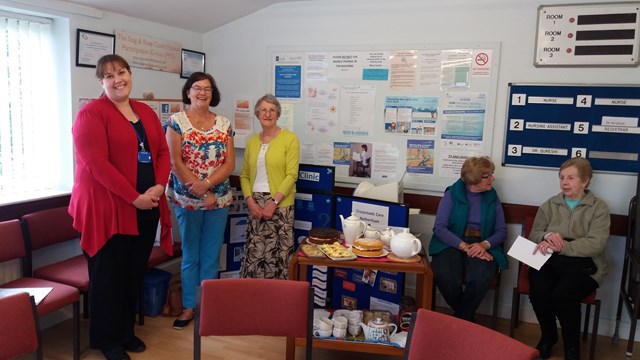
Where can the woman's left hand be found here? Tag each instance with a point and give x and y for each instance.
(269, 209)
(156, 190)
(210, 202)
(477, 250)
(556, 242)
(198, 188)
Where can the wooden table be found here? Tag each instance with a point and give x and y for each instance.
(424, 284)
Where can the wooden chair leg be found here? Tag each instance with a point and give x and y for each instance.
(85, 305)
(587, 317)
(496, 299)
(594, 331)
(515, 310)
(76, 330)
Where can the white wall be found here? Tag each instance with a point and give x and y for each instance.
(241, 46)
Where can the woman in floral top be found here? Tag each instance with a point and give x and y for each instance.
(202, 158)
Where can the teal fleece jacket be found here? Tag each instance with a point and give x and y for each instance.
(458, 220)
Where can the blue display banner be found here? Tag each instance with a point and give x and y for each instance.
(316, 178)
(548, 124)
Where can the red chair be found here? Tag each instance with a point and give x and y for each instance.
(438, 336)
(20, 329)
(61, 295)
(522, 288)
(254, 307)
(46, 228)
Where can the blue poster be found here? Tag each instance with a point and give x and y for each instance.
(288, 81)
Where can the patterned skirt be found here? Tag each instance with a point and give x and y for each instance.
(270, 243)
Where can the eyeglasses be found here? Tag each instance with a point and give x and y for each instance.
(267, 111)
(205, 89)
(487, 176)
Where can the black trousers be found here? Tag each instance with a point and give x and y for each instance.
(555, 293)
(116, 275)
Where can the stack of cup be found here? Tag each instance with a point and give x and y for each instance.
(322, 327)
(340, 326)
(355, 318)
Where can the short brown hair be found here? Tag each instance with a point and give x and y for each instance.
(199, 76)
(585, 171)
(475, 167)
(109, 59)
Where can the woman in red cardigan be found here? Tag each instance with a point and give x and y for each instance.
(122, 168)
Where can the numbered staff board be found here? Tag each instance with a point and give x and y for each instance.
(548, 124)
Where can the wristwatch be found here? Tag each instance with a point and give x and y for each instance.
(275, 201)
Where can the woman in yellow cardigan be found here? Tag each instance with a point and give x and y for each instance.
(268, 182)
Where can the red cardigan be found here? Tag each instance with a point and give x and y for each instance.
(106, 170)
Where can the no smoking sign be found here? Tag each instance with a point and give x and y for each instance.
(482, 59)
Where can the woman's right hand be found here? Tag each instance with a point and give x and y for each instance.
(254, 209)
(146, 201)
(477, 250)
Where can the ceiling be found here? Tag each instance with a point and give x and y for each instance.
(196, 15)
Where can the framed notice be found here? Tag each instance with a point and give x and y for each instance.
(192, 61)
(91, 46)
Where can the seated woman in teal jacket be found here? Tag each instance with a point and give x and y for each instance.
(466, 247)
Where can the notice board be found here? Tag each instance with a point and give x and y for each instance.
(550, 123)
(389, 113)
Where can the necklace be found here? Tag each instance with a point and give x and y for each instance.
(200, 122)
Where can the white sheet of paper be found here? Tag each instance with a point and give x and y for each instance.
(38, 293)
(522, 249)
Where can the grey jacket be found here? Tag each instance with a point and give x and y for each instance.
(588, 225)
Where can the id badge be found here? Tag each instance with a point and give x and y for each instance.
(144, 157)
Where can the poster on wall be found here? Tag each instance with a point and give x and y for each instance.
(287, 76)
(242, 121)
(411, 115)
(148, 52)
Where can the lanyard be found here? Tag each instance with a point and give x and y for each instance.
(140, 139)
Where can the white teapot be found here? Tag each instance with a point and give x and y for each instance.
(352, 227)
(378, 330)
(405, 245)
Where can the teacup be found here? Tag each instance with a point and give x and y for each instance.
(322, 333)
(339, 333)
(340, 322)
(354, 330)
(325, 324)
(341, 312)
(355, 319)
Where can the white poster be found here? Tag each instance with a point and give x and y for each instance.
(345, 65)
(402, 74)
(242, 121)
(357, 109)
(322, 108)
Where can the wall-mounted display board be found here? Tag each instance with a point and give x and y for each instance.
(588, 34)
(389, 113)
(548, 124)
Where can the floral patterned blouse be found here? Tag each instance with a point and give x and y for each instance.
(202, 152)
